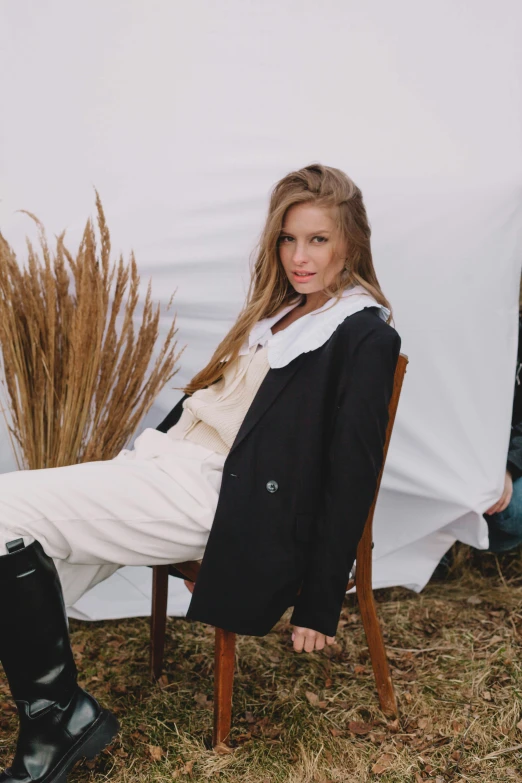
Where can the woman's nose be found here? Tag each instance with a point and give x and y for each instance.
(300, 254)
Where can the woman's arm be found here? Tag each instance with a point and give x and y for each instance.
(355, 461)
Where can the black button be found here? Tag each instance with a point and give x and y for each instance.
(272, 486)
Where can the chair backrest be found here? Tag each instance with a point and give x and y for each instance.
(363, 573)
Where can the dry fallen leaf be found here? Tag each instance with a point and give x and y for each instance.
(486, 695)
(336, 732)
(494, 640)
(203, 701)
(155, 752)
(475, 600)
(358, 727)
(271, 732)
(313, 698)
(383, 763)
(223, 750)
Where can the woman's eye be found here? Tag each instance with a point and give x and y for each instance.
(321, 239)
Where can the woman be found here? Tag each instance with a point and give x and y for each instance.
(267, 468)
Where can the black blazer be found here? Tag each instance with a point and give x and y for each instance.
(298, 484)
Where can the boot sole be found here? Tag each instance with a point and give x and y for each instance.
(90, 745)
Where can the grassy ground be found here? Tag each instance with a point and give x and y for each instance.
(456, 665)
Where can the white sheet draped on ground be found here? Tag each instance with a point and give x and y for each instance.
(183, 115)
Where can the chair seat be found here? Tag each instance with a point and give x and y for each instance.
(188, 570)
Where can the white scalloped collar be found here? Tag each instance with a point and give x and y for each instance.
(311, 330)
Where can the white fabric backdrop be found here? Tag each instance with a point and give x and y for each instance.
(184, 115)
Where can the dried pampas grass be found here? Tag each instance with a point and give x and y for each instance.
(77, 376)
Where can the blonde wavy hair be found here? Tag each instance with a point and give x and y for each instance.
(270, 289)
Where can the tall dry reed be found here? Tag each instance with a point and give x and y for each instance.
(78, 376)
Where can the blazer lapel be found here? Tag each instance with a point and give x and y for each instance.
(273, 384)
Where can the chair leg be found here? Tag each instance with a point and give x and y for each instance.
(372, 629)
(223, 685)
(371, 624)
(158, 620)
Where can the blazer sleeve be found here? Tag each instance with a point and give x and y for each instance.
(173, 417)
(354, 462)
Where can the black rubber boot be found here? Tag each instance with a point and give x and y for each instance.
(59, 722)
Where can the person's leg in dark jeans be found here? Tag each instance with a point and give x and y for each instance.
(505, 527)
(505, 530)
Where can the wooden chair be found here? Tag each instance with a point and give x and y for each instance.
(225, 640)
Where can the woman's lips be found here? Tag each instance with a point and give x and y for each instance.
(303, 278)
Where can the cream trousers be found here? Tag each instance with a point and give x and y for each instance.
(151, 505)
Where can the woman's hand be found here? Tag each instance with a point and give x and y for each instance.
(189, 585)
(308, 640)
(505, 498)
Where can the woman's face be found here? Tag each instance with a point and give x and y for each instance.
(306, 248)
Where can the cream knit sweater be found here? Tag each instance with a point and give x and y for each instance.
(212, 417)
